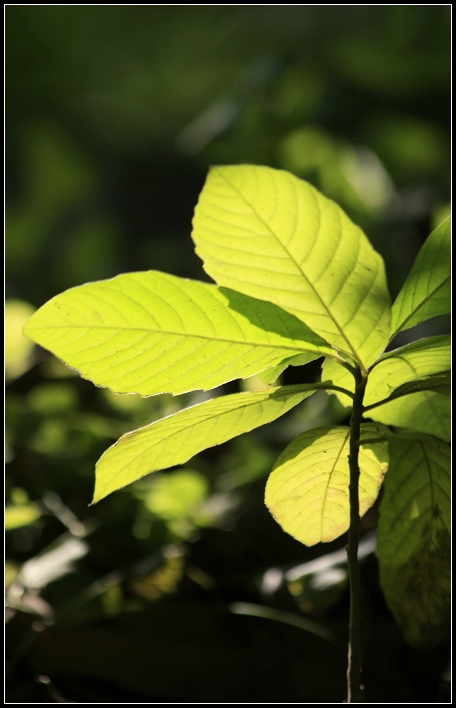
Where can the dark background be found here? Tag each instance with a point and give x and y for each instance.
(114, 115)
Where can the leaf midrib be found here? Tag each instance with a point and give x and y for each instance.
(187, 335)
(325, 498)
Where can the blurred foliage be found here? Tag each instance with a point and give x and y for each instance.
(111, 111)
(18, 349)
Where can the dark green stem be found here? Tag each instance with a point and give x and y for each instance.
(355, 652)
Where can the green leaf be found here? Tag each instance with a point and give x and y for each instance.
(268, 234)
(414, 538)
(177, 438)
(152, 333)
(426, 410)
(426, 292)
(307, 491)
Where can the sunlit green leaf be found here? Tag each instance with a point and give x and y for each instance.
(152, 333)
(414, 538)
(270, 235)
(307, 491)
(426, 292)
(175, 439)
(425, 410)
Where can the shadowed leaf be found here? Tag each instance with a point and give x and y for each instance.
(414, 538)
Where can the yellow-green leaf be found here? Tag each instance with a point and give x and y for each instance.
(268, 234)
(152, 333)
(414, 538)
(307, 491)
(175, 439)
(426, 292)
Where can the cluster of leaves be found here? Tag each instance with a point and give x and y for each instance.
(296, 281)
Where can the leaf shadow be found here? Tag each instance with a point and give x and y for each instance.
(272, 318)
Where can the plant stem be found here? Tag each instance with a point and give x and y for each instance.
(355, 651)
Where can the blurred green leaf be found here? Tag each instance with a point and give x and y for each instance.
(21, 515)
(408, 145)
(58, 177)
(18, 349)
(306, 149)
(53, 398)
(176, 495)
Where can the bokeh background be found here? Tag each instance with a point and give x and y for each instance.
(182, 588)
